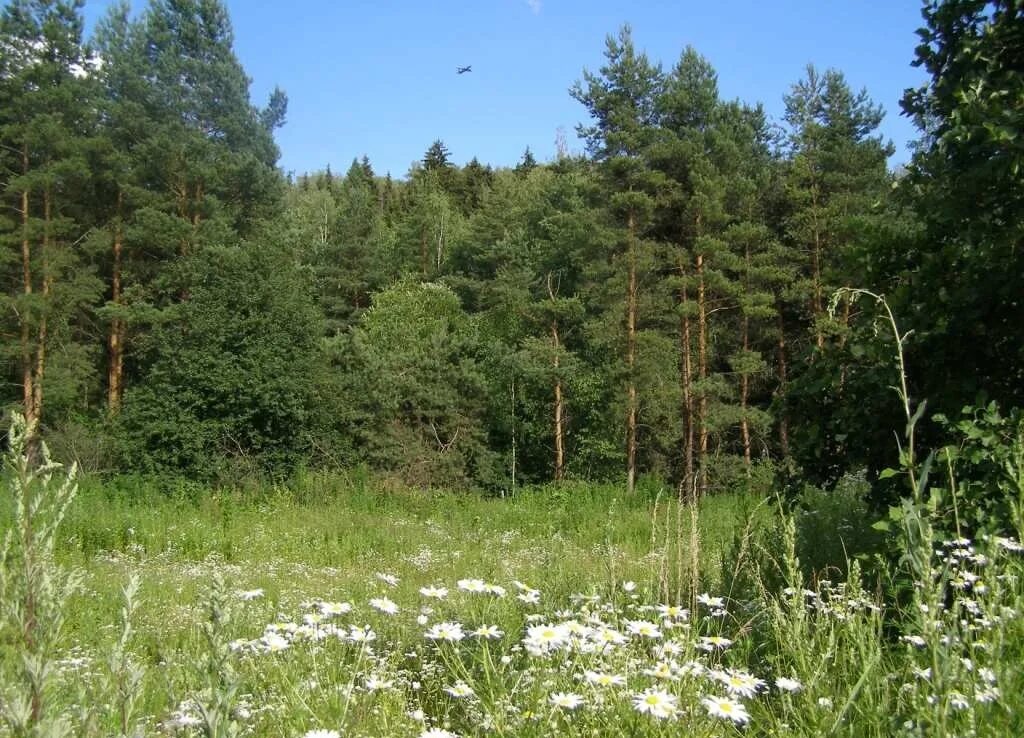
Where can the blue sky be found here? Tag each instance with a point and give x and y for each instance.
(377, 77)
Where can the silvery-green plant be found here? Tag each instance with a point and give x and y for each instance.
(34, 589)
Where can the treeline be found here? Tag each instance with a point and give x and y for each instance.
(661, 305)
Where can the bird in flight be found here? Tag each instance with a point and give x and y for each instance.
(463, 70)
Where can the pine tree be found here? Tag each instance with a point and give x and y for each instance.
(621, 99)
(47, 134)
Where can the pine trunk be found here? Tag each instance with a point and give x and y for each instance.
(631, 420)
(686, 489)
(782, 389)
(115, 341)
(817, 304)
(559, 406)
(27, 371)
(744, 394)
(702, 375)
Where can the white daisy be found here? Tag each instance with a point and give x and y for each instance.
(445, 632)
(437, 593)
(724, 707)
(788, 685)
(602, 679)
(384, 605)
(656, 703)
(566, 700)
(460, 689)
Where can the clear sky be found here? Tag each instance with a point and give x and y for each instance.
(378, 77)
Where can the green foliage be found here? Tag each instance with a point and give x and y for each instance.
(985, 464)
(417, 417)
(35, 591)
(231, 372)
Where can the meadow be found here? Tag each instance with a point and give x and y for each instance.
(330, 606)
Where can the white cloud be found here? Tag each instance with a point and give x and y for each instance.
(535, 6)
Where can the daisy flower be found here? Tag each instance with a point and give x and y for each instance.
(710, 643)
(602, 679)
(389, 579)
(742, 684)
(788, 685)
(250, 594)
(547, 636)
(384, 605)
(460, 689)
(643, 628)
(372, 683)
(437, 593)
(530, 596)
(709, 601)
(487, 631)
(321, 733)
(476, 586)
(330, 609)
(724, 707)
(673, 612)
(438, 733)
(566, 700)
(361, 635)
(656, 703)
(663, 670)
(445, 632)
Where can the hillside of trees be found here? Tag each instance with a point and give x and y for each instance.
(658, 307)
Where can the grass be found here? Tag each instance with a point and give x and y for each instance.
(230, 626)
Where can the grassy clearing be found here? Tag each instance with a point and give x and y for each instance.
(318, 608)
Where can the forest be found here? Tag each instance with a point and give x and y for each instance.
(715, 423)
(660, 307)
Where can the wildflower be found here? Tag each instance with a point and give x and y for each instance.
(788, 685)
(710, 643)
(273, 643)
(566, 700)
(656, 703)
(445, 632)
(460, 689)
(825, 702)
(384, 605)
(422, 619)
(673, 612)
(487, 631)
(709, 601)
(250, 594)
(437, 593)
(530, 597)
(742, 684)
(331, 609)
(476, 586)
(724, 707)
(664, 670)
(958, 701)
(495, 589)
(643, 628)
(361, 635)
(389, 579)
(1008, 544)
(547, 636)
(628, 586)
(989, 694)
(374, 683)
(321, 733)
(601, 679)
(913, 640)
(923, 673)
